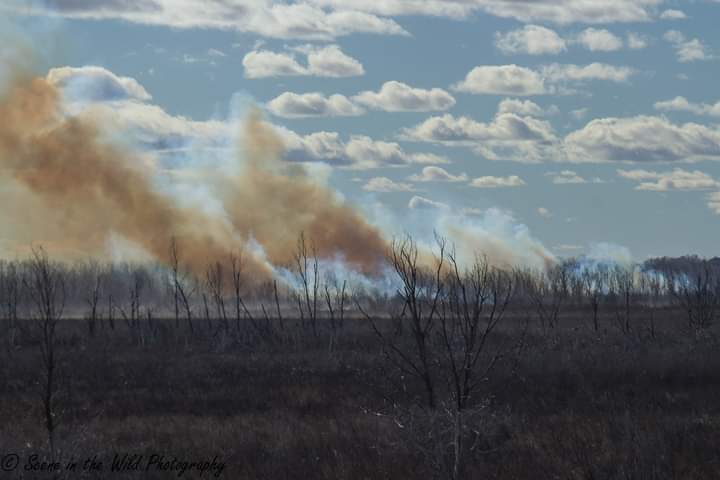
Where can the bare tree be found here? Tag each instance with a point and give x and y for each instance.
(595, 282)
(132, 314)
(216, 284)
(623, 288)
(182, 293)
(10, 288)
(335, 298)
(47, 291)
(475, 302)
(698, 292)
(306, 263)
(93, 298)
(420, 291)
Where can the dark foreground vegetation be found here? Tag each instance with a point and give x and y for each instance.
(582, 371)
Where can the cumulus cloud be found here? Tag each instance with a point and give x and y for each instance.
(520, 107)
(300, 20)
(92, 83)
(637, 41)
(599, 40)
(714, 202)
(677, 179)
(437, 174)
(422, 203)
(557, 11)
(399, 97)
(502, 80)
(293, 105)
(687, 50)
(328, 61)
(359, 152)
(497, 182)
(642, 139)
(566, 177)
(531, 40)
(503, 128)
(582, 73)
(671, 14)
(521, 81)
(384, 184)
(682, 104)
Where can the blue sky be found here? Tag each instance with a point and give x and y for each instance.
(581, 123)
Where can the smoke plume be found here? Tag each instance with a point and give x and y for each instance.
(90, 189)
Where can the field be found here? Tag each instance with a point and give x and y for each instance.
(571, 403)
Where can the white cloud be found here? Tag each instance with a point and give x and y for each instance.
(566, 177)
(557, 11)
(714, 202)
(360, 152)
(687, 50)
(518, 81)
(520, 107)
(422, 203)
(437, 174)
(637, 41)
(502, 80)
(671, 14)
(264, 63)
(677, 179)
(601, 40)
(581, 73)
(213, 52)
(504, 127)
(399, 97)
(384, 184)
(497, 182)
(328, 61)
(682, 104)
(267, 18)
(531, 40)
(97, 84)
(293, 105)
(642, 139)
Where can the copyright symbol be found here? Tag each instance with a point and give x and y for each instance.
(9, 462)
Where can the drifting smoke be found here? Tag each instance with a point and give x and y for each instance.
(91, 190)
(275, 201)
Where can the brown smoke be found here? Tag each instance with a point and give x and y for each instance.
(90, 189)
(274, 202)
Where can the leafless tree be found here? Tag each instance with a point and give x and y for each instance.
(335, 299)
(594, 282)
(47, 291)
(216, 285)
(623, 289)
(698, 292)
(308, 269)
(10, 289)
(420, 291)
(93, 298)
(182, 293)
(131, 315)
(475, 302)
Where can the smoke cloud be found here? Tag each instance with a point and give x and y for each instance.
(80, 190)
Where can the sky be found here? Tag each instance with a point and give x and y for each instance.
(578, 124)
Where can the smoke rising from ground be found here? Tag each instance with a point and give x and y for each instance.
(90, 189)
